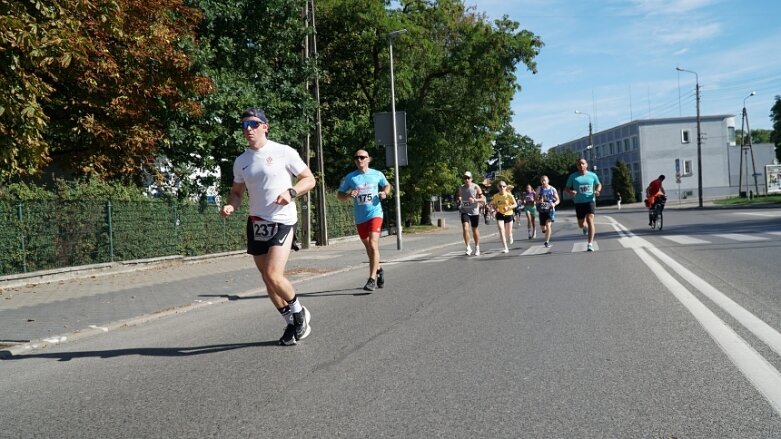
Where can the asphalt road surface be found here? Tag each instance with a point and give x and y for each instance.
(654, 335)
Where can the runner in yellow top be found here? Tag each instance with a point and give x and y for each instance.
(504, 203)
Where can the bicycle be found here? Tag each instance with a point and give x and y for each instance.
(657, 215)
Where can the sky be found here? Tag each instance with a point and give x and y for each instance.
(615, 60)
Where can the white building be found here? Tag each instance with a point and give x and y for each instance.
(653, 147)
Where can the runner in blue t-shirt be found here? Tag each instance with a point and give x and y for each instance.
(366, 187)
(584, 185)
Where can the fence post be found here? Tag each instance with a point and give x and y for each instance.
(175, 205)
(110, 219)
(20, 216)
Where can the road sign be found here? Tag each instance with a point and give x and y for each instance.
(383, 135)
(383, 128)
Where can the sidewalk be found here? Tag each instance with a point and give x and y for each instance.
(80, 303)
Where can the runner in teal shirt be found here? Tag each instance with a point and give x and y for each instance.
(585, 186)
(366, 187)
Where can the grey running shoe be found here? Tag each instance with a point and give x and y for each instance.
(546, 244)
(590, 248)
(380, 278)
(369, 285)
(585, 231)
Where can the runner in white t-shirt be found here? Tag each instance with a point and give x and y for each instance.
(264, 170)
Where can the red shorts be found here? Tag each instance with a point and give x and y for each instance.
(374, 225)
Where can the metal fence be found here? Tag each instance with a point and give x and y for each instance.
(43, 235)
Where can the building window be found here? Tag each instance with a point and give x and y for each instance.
(686, 136)
(635, 142)
(626, 145)
(687, 168)
(731, 133)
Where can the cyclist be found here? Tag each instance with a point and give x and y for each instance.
(654, 194)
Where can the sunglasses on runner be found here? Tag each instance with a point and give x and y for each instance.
(254, 124)
(361, 157)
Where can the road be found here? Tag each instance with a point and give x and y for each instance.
(654, 335)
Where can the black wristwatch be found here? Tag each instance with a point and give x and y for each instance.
(292, 193)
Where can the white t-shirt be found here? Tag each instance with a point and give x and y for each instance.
(267, 173)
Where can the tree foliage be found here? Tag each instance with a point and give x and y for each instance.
(105, 88)
(252, 51)
(622, 182)
(775, 116)
(102, 81)
(533, 164)
(454, 78)
(37, 39)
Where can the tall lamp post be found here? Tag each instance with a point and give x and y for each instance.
(590, 146)
(744, 129)
(391, 37)
(699, 135)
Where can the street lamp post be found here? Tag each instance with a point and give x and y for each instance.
(699, 135)
(391, 37)
(590, 146)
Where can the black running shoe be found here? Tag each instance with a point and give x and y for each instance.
(369, 285)
(380, 278)
(298, 330)
(289, 336)
(301, 324)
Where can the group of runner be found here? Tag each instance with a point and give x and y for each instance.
(263, 171)
(541, 203)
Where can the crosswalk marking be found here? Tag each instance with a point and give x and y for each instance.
(533, 250)
(741, 237)
(685, 240)
(413, 257)
(536, 250)
(768, 214)
(581, 246)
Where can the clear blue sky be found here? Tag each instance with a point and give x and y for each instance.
(616, 61)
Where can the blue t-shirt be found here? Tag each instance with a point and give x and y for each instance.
(584, 185)
(367, 203)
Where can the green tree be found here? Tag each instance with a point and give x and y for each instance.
(757, 136)
(37, 40)
(447, 49)
(252, 51)
(622, 182)
(775, 116)
(105, 82)
(533, 164)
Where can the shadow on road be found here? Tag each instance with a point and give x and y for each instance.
(151, 352)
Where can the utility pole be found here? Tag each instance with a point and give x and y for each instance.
(744, 130)
(322, 223)
(751, 149)
(306, 199)
(590, 146)
(699, 135)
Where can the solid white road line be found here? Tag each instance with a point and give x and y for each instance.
(762, 374)
(762, 330)
(765, 378)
